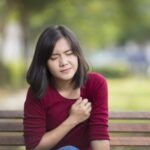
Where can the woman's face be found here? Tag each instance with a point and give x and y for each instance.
(63, 63)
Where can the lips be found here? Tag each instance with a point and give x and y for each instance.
(65, 70)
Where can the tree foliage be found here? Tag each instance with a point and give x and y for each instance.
(98, 23)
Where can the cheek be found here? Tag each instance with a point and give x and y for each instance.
(52, 66)
(74, 60)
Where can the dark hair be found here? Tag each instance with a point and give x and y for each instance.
(38, 75)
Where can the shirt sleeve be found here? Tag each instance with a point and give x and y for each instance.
(98, 123)
(34, 121)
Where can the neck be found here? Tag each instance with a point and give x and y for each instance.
(66, 90)
(63, 85)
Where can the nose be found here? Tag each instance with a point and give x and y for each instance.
(63, 61)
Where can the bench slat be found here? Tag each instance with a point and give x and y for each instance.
(129, 115)
(11, 127)
(115, 141)
(113, 127)
(15, 140)
(126, 127)
(12, 114)
(130, 141)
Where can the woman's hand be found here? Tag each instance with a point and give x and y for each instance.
(80, 110)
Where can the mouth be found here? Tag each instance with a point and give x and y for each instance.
(65, 70)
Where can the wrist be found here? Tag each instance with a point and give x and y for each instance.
(70, 121)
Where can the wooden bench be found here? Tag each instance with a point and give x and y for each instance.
(127, 129)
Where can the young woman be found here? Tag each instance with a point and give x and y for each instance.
(66, 107)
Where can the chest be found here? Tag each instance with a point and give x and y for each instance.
(57, 113)
(70, 94)
(58, 107)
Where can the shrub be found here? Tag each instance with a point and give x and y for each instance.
(12, 74)
(113, 71)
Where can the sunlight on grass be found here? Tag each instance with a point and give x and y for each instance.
(130, 94)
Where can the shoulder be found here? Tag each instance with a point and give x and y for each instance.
(31, 98)
(95, 81)
(96, 85)
(31, 94)
(95, 78)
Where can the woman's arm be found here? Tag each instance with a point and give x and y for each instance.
(100, 145)
(80, 111)
(51, 138)
(98, 125)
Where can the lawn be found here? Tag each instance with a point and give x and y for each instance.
(130, 94)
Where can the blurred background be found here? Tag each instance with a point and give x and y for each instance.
(114, 34)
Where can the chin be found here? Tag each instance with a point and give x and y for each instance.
(67, 77)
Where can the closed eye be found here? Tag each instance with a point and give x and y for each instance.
(69, 52)
(53, 57)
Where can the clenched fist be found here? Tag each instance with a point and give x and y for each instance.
(80, 110)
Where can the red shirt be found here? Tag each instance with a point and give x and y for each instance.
(46, 114)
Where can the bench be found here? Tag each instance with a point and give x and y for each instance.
(127, 129)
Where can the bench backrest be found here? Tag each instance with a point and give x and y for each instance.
(126, 128)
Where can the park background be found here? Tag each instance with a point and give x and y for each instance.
(114, 34)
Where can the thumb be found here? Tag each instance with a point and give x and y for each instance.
(78, 101)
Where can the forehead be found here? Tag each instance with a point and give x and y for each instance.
(61, 45)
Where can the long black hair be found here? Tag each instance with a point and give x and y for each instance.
(38, 75)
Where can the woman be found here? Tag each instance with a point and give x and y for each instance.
(66, 107)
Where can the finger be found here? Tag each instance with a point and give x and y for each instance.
(88, 105)
(88, 113)
(78, 101)
(84, 102)
(89, 109)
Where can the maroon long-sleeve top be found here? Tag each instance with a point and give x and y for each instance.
(45, 115)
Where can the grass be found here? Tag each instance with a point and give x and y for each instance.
(129, 94)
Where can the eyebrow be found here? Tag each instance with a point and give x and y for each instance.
(63, 52)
